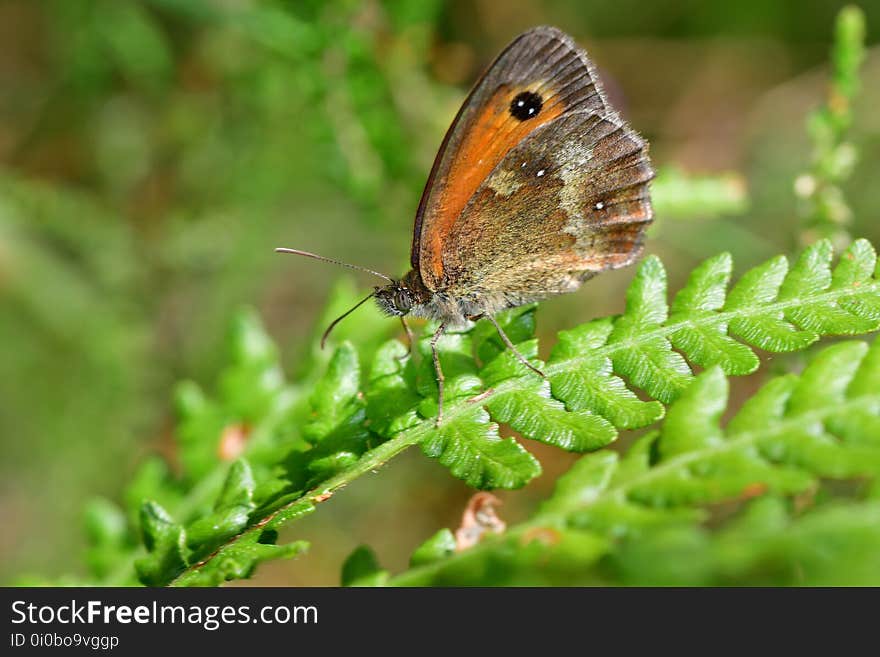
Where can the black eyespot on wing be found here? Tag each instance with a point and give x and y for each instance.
(526, 105)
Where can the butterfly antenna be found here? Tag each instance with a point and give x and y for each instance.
(343, 316)
(335, 262)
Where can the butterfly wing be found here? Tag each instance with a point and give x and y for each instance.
(569, 201)
(540, 78)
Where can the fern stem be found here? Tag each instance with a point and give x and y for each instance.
(371, 460)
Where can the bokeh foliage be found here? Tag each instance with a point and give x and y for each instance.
(153, 152)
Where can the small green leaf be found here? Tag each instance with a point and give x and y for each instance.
(758, 286)
(238, 489)
(470, 447)
(105, 522)
(854, 272)
(517, 323)
(238, 560)
(766, 328)
(459, 370)
(439, 546)
(811, 273)
(587, 382)
(164, 540)
(708, 345)
(230, 516)
(200, 425)
(334, 399)
(648, 362)
(764, 407)
(108, 537)
(646, 297)
(253, 381)
(810, 276)
(362, 569)
(692, 422)
(535, 415)
(391, 401)
(706, 287)
(831, 372)
(208, 532)
(587, 479)
(531, 410)
(652, 366)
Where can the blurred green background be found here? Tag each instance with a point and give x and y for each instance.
(153, 152)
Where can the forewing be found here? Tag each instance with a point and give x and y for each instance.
(543, 61)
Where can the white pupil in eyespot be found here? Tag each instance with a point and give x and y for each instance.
(526, 105)
(522, 103)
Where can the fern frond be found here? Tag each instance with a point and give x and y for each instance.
(651, 346)
(306, 442)
(794, 432)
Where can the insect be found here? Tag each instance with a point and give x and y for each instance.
(538, 186)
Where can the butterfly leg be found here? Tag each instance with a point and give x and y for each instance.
(440, 378)
(511, 346)
(410, 341)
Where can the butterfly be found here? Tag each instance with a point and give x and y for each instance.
(538, 186)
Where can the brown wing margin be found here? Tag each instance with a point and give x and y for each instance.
(541, 54)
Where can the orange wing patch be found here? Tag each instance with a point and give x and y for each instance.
(493, 134)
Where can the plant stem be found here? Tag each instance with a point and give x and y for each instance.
(371, 460)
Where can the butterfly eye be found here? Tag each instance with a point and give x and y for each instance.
(526, 105)
(403, 301)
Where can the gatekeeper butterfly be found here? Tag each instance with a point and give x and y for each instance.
(538, 186)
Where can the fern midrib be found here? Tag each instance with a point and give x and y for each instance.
(371, 460)
(744, 439)
(722, 317)
(618, 492)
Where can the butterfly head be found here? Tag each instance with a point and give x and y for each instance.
(394, 299)
(399, 297)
